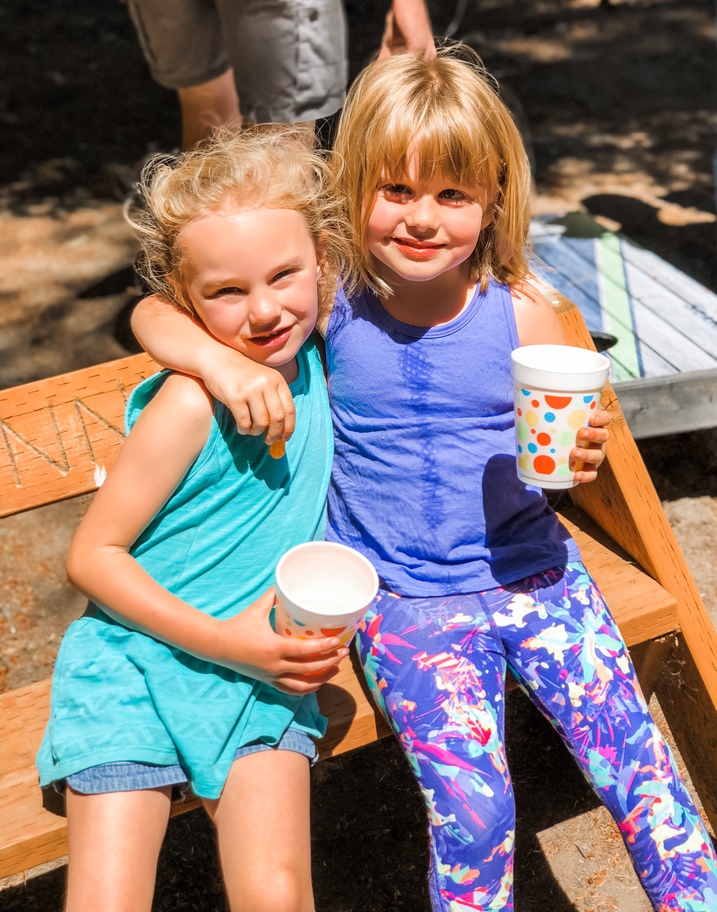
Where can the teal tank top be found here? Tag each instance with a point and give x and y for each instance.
(119, 695)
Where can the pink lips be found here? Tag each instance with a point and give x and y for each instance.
(272, 340)
(417, 250)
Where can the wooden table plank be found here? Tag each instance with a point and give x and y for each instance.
(656, 406)
(661, 323)
(696, 296)
(652, 363)
(690, 323)
(665, 362)
(55, 433)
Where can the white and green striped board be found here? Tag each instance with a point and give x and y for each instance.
(665, 359)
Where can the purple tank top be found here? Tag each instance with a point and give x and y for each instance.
(424, 480)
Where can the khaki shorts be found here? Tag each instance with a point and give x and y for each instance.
(289, 56)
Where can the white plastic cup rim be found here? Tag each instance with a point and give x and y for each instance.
(562, 368)
(352, 579)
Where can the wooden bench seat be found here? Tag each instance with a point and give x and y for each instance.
(32, 835)
(56, 433)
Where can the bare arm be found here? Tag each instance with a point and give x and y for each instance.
(535, 319)
(408, 30)
(538, 324)
(164, 442)
(258, 396)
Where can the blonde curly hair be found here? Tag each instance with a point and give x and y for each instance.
(446, 112)
(252, 170)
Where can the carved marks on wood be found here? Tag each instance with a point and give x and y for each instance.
(59, 443)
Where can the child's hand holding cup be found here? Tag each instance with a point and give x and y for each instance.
(557, 389)
(323, 589)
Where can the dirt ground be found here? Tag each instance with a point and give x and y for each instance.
(617, 101)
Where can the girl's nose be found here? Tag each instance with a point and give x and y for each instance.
(422, 214)
(264, 309)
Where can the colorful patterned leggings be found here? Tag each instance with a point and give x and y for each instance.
(436, 667)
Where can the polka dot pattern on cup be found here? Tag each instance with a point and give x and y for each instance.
(293, 628)
(546, 425)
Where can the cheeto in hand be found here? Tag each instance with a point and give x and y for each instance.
(277, 449)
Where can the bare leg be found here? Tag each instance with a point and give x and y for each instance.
(114, 842)
(216, 103)
(208, 106)
(262, 821)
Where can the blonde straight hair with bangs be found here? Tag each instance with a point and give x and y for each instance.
(447, 116)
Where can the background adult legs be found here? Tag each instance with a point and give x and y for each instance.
(207, 106)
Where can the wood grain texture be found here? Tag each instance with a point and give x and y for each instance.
(56, 432)
(665, 323)
(624, 503)
(674, 405)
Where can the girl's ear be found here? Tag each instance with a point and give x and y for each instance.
(179, 296)
(488, 214)
(321, 246)
(176, 287)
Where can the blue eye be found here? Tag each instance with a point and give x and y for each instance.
(452, 195)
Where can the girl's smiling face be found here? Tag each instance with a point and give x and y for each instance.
(251, 276)
(420, 229)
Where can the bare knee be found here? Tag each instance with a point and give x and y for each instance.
(278, 888)
(262, 821)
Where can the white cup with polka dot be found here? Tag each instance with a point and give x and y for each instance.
(557, 388)
(323, 589)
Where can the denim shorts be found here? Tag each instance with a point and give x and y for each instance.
(128, 776)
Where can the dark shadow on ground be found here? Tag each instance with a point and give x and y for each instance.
(671, 462)
(122, 281)
(676, 244)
